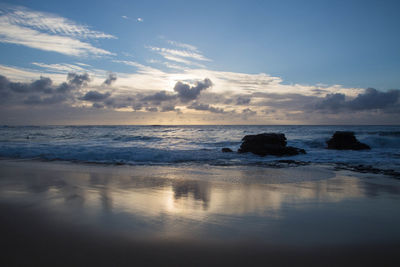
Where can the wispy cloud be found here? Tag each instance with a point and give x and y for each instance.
(49, 22)
(48, 32)
(179, 53)
(60, 68)
(187, 55)
(182, 45)
(139, 20)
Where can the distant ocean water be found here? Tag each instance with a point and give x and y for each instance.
(169, 145)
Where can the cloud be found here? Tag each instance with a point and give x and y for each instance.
(38, 100)
(205, 107)
(151, 109)
(112, 77)
(374, 99)
(332, 102)
(49, 22)
(168, 107)
(188, 93)
(241, 100)
(246, 113)
(41, 85)
(41, 91)
(118, 102)
(139, 20)
(125, 17)
(182, 45)
(48, 32)
(159, 97)
(77, 80)
(187, 56)
(97, 105)
(236, 97)
(60, 68)
(94, 96)
(370, 99)
(163, 100)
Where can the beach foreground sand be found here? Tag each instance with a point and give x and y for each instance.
(68, 214)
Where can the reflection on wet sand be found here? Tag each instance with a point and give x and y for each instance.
(187, 202)
(195, 190)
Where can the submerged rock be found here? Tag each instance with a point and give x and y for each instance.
(268, 144)
(226, 149)
(345, 141)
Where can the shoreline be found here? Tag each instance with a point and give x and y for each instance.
(84, 214)
(276, 164)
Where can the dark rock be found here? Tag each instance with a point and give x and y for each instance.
(345, 141)
(278, 139)
(226, 149)
(268, 144)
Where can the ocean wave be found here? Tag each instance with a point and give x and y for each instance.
(186, 144)
(385, 133)
(107, 154)
(378, 142)
(128, 138)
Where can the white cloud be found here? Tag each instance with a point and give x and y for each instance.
(125, 17)
(60, 68)
(139, 20)
(179, 53)
(18, 74)
(82, 64)
(48, 32)
(182, 45)
(50, 23)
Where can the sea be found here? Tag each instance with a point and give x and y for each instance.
(188, 145)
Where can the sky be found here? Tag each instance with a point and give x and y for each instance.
(199, 62)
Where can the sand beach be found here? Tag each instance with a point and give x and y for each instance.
(70, 214)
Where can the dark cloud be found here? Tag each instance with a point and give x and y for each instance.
(3, 83)
(374, 99)
(41, 91)
(97, 105)
(137, 106)
(118, 102)
(78, 80)
(371, 99)
(286, 101)
(151, 109)
(205, 107)
(94, 96)
(159, 97)
(110, 79)
(37, 100)
(74, 81)
(241, 100)
(167, 108)
(332, 101)
(187, 93)
(248, 111)
(41, 85)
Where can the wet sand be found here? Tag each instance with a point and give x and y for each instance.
(67, 214)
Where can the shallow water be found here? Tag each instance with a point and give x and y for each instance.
(300, 206)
